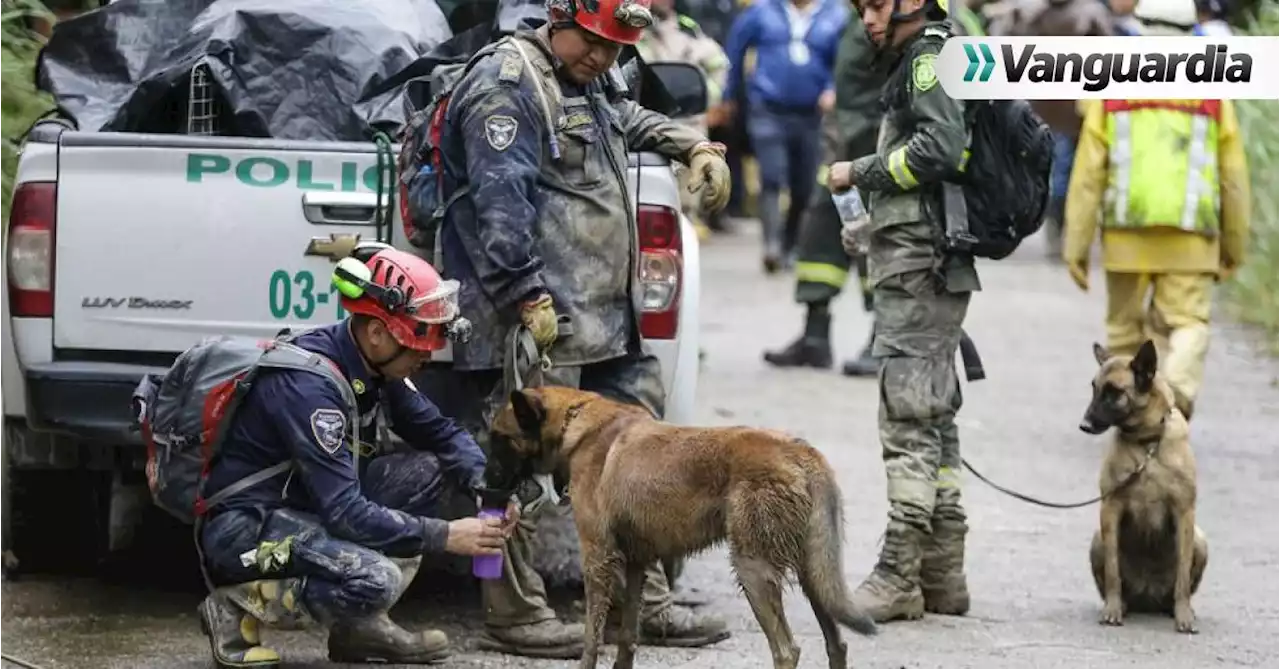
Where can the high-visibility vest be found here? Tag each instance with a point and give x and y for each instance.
(1163, 164)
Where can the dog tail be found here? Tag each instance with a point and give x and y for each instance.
(823, 577)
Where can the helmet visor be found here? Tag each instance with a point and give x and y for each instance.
(437, 307)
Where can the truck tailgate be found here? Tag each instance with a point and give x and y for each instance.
(162, 240)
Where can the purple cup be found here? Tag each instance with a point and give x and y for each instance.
(488, 567)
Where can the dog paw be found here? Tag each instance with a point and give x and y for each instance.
(1112, 615)
(1185, 620)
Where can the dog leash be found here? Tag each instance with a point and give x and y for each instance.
(1133, 476)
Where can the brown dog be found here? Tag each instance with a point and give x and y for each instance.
(644, 490)
(1148, 555)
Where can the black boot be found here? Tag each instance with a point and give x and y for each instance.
(813, 348)
(233, 633)
(864, 364)
(1053, 227)
(377, 638)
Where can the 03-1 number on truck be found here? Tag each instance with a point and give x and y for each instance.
(300, 295)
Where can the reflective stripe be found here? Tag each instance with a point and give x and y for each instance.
(1121, 143)
(822, 175)
(817, 272)
(1196, 160)
(964, 159)
(899, 171)
(947, 477)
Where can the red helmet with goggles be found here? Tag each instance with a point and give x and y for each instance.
(405, 292)
(620, 21)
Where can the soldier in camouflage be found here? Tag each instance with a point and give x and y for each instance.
(538, 131)
(921, 296)
(677, 38)
(848, 132)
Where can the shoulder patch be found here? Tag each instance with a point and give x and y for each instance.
(511, 68)
(923, 75)
(500, 131)
(328, 426)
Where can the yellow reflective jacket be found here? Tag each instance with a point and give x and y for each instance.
(1141, 169)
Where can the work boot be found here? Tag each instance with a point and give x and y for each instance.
(865, 364)
(548, 639)
(942, 578)
(803, 352)
(378, 639)
(233, 634)
(674, 626)
(892, 591)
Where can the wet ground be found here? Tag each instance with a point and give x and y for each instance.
(1034, 603)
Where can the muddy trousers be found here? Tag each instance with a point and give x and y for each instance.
(520, 596)
(918, 325)
(325, 579)
(1170, 309)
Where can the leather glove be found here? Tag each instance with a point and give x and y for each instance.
(1079, 270)
(539, 315)
(710, 173)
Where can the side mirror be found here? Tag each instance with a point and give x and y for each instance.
(686, 84)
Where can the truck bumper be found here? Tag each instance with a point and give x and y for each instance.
(85, 400)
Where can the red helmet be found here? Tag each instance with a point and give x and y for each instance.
(621, 21)
(405, 292)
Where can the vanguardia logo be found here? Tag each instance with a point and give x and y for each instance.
(987, 62)
(1067, 68)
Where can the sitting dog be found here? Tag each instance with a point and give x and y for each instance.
(1148, 555)
(643, 490)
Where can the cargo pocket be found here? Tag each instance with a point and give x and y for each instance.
(918, 389)
(580, 153)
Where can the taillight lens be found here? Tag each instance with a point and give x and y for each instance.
(30, 250)
(661, 271)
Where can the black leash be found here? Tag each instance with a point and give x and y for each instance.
(1133, 476)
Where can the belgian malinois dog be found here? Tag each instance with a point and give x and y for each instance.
(644, 490)
(1148, 555)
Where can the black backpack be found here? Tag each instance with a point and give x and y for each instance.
(1006, 180)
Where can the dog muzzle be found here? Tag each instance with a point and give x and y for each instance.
(544, 495)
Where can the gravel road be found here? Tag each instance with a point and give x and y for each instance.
(1034, 603)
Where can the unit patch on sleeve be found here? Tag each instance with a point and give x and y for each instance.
(500, 131)
(328, 426)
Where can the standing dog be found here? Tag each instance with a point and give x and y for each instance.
(644, 490)
(1148, 555)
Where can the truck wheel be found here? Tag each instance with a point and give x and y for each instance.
(57, 520)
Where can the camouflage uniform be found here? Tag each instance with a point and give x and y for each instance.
(823, 266)
(921, 296)
(677, 38)
(565, 225)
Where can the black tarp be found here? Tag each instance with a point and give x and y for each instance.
(293, 69)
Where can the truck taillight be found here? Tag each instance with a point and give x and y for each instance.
(30, 250)
(661, 268)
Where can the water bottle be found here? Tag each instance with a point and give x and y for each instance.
(493, 504)
(853, 216)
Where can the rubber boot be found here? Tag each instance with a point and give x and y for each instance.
(771, 231)
(379, 639)
(865, 364)
(942, 579)
(233, 633)
(813, 348)
(892, 591)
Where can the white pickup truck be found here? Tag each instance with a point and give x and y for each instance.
(124, 249)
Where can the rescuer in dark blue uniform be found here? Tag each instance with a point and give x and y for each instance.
(338, 539)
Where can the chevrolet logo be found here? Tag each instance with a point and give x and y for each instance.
(335, 247)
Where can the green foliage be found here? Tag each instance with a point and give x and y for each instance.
(21, 102)
(1253, 293)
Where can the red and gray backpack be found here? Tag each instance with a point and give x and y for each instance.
(184, 414)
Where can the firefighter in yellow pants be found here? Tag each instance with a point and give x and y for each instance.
(1174, 218)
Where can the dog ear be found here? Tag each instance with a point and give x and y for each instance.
(530, 413)
(1144, 367)
(1100, 353)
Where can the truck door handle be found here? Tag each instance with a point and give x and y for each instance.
(323, 208)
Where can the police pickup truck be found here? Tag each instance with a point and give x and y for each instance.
(122, 250)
